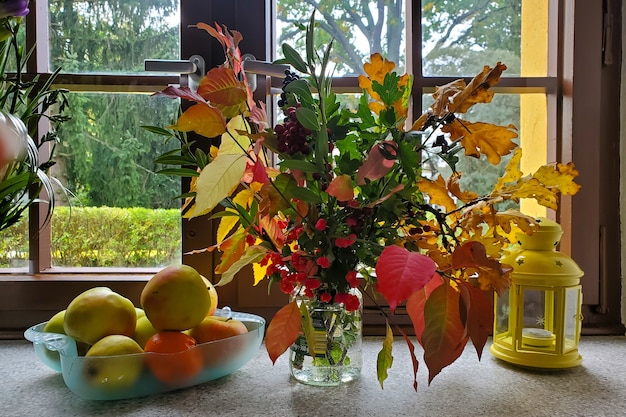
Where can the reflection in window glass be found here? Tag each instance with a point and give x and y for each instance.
(110, 36)
(359, 29)
(126, 214)
(460, 37)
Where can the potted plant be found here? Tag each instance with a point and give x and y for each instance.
(333, 205)
(23, 102)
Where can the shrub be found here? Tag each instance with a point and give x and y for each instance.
(103, 237)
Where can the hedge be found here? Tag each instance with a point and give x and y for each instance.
(102, 237)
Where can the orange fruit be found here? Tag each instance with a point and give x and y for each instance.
(175, 360)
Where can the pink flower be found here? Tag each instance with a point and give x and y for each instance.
(345, 242)
(352, 280)
(323, 262)
(320, 225)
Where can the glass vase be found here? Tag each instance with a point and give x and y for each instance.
(336, 357)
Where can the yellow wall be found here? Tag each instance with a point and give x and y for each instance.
(533, 107)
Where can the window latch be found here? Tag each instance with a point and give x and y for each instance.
(194, 68)
(252, 68)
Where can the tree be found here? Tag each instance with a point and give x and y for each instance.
(107, 157)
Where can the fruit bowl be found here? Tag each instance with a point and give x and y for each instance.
(130, 376)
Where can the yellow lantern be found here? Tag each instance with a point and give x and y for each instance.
(537, 321)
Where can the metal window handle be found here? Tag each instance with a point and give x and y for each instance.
(252, 67)
(194, 68)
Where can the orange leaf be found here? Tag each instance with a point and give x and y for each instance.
(224, 91)
(489, 139)
(414, 361)
(455, 188)
(379, 162)
(479, 315)
(283, 330)
(400, 273)
(203, 119)
(341, 188)
(477, 91)
(415, 305)
(444, 334)
(232, 249)
(437, 192)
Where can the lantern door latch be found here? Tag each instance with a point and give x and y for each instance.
(194, 68)
(252, 68)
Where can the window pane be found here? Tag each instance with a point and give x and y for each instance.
(123, 213)
(107, 36)
(460, 37)
(359, 28)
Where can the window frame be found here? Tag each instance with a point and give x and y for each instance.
(45, 289)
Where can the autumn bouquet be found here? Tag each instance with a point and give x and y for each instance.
(335, 198)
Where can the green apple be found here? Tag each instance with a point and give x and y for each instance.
(111, 362)
(99, 312)
(176, 298)
(143, 331)
(55, 324)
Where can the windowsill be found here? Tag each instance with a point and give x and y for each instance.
(467, 387)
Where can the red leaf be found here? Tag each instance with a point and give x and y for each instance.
(415, 305)
(180, 92)
(479, 322)
(444, 334)
(400, 273)
(341, 188)
(377, 165)
(413, 358)
(283, 330)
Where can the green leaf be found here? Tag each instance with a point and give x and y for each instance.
(179, 172)
(308, 118)
(307, 327)
(301, 89)
(385, 360)
(158, 130)
(307, 195)
(294, 59)
(300, 165)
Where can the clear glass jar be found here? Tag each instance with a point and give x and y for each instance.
(338, 335)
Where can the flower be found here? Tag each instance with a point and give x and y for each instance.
(348, 202)
(22, 103)
(13, 8)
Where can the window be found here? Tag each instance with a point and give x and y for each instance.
(532, 37)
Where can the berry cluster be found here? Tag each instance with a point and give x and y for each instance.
(293, 138)
(289, 77)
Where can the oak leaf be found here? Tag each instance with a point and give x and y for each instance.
(491, 140)
(477, 91)
(438, 192)
(454, 187)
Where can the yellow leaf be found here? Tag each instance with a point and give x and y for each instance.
(259, 272)
(217, 181)
(512, 172)
(491, 140)
(203, 119)
(244, 199)
(559, 176)
(232, 142)
(251, 255)
(232, 249)
(437, 192)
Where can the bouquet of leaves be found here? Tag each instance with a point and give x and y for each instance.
(333, 198)
(23, 102)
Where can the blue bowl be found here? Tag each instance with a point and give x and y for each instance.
(130, 376)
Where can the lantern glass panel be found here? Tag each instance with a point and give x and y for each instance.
(538, 319)
(572, 315)
(503, 313)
